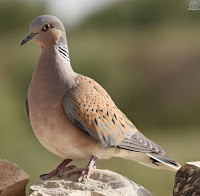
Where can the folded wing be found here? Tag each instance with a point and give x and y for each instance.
(90, 107)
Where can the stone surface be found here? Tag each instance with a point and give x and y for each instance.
(13, 180)
(101, 183)
(187, 180)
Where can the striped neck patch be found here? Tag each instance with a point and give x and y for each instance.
(63, 51)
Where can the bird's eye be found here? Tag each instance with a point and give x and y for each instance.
(46, 27)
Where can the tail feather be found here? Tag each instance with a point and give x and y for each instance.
(164, 162)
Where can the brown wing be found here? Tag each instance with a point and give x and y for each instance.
(91, 108)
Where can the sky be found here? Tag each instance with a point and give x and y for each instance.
(72, 12)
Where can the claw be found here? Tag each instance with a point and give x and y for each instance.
(59, 170)
(65, 168)
(62, 167)
(85, 172)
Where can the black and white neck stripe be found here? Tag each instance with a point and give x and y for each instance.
(63, 51)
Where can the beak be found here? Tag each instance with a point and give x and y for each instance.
(28, 38)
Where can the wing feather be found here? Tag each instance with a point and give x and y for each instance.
(90, 107)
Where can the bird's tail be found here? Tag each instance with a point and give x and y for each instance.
(164, 162)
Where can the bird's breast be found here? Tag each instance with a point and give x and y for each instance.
(54, 129)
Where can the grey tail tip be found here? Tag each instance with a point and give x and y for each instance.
(165, 160)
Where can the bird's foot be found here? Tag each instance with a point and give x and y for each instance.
(83, 173)
(87, 171)
(59, 170)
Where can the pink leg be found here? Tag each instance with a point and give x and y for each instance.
(87, 171)
(59, 170)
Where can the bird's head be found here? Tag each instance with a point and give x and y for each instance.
(45, 30)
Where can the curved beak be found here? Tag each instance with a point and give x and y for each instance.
(28, 38)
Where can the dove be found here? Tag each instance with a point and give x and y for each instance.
(73, 116)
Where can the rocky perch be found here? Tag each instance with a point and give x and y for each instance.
(100, 183)
(13, 180)
(187, 180)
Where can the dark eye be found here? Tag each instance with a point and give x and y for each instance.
(46, 27)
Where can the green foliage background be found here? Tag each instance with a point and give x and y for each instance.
(144, 53)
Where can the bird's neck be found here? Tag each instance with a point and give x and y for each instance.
(59, 48)
(62, 49)
(54, 69)
(58, 55)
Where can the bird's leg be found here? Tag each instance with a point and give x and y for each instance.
(87, 171)
(59, 170)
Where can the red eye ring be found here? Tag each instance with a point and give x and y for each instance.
(46, 27)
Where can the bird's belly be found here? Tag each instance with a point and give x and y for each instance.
(60, 136)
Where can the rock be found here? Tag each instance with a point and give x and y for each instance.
(13, 180)
(187, 180)
(100, 183)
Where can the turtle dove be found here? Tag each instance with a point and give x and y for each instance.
(73, 116)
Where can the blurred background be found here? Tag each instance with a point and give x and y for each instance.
(144, 53)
